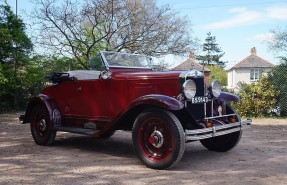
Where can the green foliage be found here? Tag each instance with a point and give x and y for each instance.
(217, 73)
(21, 76)
(40, 67)
(3, 80)
(278, 77)
(14, 50)
(257, 99)
(13, 39)
(213, 52)
(89, 48)
(31, 80)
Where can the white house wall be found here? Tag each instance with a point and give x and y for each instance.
(241, 75)
(230, 79)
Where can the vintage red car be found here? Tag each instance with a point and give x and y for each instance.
(164, 110)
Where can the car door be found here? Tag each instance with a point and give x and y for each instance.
(88, 100)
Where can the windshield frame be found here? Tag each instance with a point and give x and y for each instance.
(108, 66)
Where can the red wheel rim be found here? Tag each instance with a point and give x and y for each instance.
(155, 139)
(41, 125)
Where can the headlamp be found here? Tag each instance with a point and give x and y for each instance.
(215, 88)
(189, 89)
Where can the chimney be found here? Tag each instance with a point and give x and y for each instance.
(191, 55)
(253, 51)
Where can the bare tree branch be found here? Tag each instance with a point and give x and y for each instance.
(82, 29)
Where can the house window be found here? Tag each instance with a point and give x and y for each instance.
(255, 74)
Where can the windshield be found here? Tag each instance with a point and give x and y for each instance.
(126, 60)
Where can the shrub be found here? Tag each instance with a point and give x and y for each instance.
(257, 99)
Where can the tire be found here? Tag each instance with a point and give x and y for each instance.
(41, 126)
(158, 139)
(222, 143)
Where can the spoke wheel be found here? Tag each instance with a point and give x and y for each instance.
(158, 139)
(41, 127)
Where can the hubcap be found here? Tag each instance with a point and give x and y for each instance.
(43, 125)
(156, 139)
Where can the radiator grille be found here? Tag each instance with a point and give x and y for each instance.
(197, 110)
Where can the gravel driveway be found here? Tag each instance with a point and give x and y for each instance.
(260, 158)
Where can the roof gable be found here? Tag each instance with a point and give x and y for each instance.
(190, 64)
(253, 61)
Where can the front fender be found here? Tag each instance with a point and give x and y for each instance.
(159, 100)
(46, 101)
(227, 97)
(126, 118)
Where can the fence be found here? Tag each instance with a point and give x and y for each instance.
(263, 92)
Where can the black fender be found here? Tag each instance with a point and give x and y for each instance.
(49, 103)
(158, 100)
(126, 118)
(227, 97)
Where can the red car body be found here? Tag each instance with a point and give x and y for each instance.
(162, 109)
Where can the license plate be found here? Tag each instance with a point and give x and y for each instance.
(199, 99)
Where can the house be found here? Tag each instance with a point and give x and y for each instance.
(190, 64)
(249, 70)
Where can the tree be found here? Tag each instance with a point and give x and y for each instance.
(161, 66)
(81, 30)
(213, 52)
(218, 73)
(3, 80)
(14, 41)
(279, 41)
(278, 78)
(278, 75)
(33, 77)
(14, 50)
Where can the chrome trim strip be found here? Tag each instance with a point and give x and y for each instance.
(226, 115)
(128, 67)
(105, 60)
(192, 73)
(211, 107)
(198, 134)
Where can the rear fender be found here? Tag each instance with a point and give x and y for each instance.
(49, 103)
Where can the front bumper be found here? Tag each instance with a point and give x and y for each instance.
(198, 134)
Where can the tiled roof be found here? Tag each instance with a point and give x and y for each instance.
(190, 64)
(253, 61)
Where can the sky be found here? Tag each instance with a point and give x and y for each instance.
(238, 25)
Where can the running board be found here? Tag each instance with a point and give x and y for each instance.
(84, 131)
